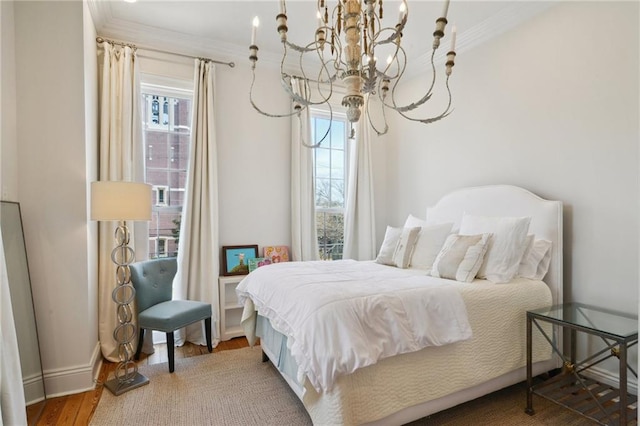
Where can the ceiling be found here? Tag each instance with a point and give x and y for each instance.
(222, 29)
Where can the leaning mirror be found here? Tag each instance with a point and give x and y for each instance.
(22, 301)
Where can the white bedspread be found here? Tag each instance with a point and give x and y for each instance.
(343, 315)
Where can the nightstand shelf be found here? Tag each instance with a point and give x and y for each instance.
(230, 311)
(573, 388)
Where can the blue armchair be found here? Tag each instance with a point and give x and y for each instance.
(153, 281)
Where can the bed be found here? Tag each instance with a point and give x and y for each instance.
(396, 382)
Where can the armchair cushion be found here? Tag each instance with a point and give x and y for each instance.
(174, 314)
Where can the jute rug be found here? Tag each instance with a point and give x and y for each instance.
(232, 387)
(235, 387)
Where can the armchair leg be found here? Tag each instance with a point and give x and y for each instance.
(207, 331)
(170, 351)
(140, 341)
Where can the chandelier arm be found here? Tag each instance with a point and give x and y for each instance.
(426, 97)
(297, 48)
(253, 104)
(323, 70)
(393, 37)
(430, 120)
(384, 118)
(316, 145)
(384, 74)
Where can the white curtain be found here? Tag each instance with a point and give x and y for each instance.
(359, 220)
(12, 402)
(304, 240)
(198, 268)
(121, 159)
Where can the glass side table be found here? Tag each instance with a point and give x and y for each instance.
(572, 388)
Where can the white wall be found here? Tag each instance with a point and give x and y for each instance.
(8, 140)
(53, 110)
(254, 159)
(551, 106)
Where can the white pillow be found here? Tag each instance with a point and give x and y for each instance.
(429, 243)
(461, 257)
(536, 259)
(405, 245)
(506, 247)
(413, 221)
(388, 248)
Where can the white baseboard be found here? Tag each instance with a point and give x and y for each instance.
(33, 389)
(611, 379)
(68, 381)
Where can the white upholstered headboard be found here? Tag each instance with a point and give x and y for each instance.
(508, 200)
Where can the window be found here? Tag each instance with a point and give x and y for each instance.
(330, 165)
(166, 118)
(162, 247)
(161, 195)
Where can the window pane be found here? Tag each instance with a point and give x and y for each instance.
(337, 134)
(337, 164)
(323, 193)
(321, 127)
(323, 162)
(330, 235)
(181, 115)
(337, 193)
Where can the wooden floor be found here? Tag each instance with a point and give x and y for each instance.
(77, 409)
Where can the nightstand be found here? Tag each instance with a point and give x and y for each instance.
(573, 388)
(230, 311)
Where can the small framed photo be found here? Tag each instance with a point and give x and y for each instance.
(276, 253)
(235, 259)
(258, 262)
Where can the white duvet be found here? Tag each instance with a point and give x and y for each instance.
(343, 315)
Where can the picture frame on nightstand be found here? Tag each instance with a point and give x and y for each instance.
(235, 259)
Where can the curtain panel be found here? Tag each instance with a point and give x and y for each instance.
(198, 269)
(121, 159)
(304, 238)
(359, 215)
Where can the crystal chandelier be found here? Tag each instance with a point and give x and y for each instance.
(348, 39)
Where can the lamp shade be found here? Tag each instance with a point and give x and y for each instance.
(115, 200)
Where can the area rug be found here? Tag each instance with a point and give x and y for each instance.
(232, 387)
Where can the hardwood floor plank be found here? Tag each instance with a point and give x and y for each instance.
(52, 410)
(70, 410)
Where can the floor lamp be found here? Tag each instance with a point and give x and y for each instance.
(122, 202)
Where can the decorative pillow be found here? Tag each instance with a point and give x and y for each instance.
(388, 248)
(404, 249)
(506, 247)
(535, 261)
(461, 257)
(429, 243)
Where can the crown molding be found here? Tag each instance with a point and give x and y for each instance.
(492, 27)
(188, 44)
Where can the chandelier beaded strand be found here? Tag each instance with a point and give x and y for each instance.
(355, 34)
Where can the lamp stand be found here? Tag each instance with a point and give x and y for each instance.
(126, 372)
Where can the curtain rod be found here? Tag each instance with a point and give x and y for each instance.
(133, 46)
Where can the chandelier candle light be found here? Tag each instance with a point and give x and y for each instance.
(346, 44)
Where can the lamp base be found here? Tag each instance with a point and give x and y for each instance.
(118, 388)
